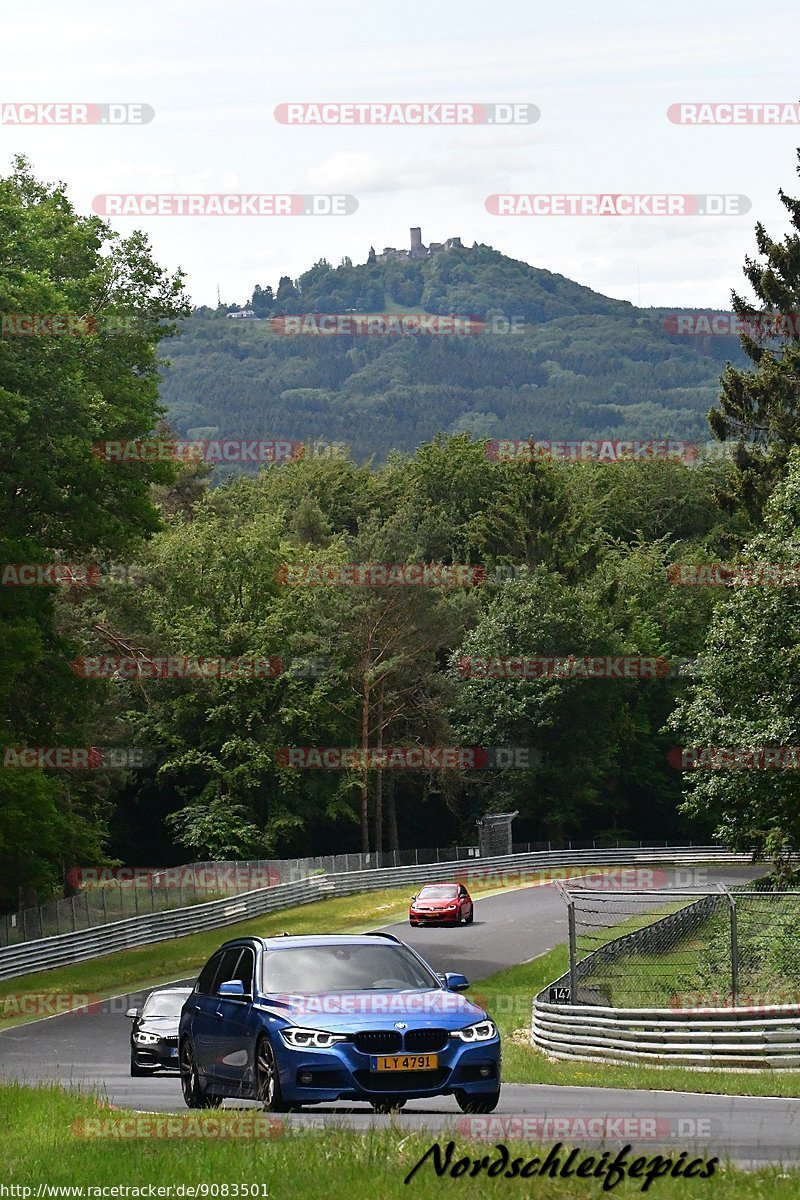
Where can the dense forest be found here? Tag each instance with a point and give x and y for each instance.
(569, 561)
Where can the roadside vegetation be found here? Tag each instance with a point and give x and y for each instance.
(44, 1142)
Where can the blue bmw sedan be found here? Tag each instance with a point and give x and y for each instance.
(307, 1020)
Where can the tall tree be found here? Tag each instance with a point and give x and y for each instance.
(60, 395)
(759, 408)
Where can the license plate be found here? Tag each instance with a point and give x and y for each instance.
(405, 1062)
(173, 1051)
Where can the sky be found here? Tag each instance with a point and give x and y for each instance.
(603, 77)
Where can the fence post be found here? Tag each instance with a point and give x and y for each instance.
(573, 964)
(573, 942)
(734, 949)
(734, 931)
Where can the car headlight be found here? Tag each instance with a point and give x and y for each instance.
(310, 1039)
(146, 1039)
(483, 1031)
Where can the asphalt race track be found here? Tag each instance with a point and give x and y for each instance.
(90, 1051)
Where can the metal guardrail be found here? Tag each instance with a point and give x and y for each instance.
(107, 895)
(64, 949)
(742, 1038)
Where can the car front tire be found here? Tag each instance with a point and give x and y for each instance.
(477, 1104)
(193, 1094)
(471, 916)
(268, 1083)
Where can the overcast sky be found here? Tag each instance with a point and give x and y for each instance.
(603, 77)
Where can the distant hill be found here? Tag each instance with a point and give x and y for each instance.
(582, 365)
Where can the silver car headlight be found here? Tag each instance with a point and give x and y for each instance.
(146, 1039)
(310, 1039)
(483, 1031)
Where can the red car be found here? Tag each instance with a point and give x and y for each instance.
(441, 904)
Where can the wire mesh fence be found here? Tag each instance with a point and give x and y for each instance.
(684, 948)
(104, 895)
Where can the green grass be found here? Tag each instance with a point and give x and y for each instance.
(42, 1144)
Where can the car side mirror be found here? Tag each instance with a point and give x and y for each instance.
(454, 981)
(132, 1013)
(233, 989)
(414, 897)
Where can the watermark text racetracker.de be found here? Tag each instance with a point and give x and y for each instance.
(615, 204)
(392, 325)
(76, 758)
(717, 574)
(735, 758)
(409, 112)
(589, 1126)
(602, 450)
(730, 324)
(608, 666)
(35, 112)
(408, 758)
(175, 666)
(266, 451)
(214, 878)
(224, 204)
(738, 112)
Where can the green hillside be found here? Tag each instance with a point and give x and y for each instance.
(580, 365)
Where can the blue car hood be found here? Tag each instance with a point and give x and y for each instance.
(337, 1011)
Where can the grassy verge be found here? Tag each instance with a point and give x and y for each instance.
(508, 996)
(180, 958)
(42, 1145)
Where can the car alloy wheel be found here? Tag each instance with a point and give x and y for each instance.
(471, 916)
(477, 1104)
(268, 1084)
(193, 1093)
(388, 1106)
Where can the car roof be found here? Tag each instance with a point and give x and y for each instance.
(296, 940)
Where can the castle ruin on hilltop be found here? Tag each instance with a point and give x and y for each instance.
(417, 249)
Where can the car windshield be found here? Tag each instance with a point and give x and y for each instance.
(164, 1004)
(344, 968)
(441, 891)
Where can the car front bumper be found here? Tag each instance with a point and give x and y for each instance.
(434, 918)
(344, 1073)
(159, 1056)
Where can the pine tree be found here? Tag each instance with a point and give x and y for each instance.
(760, 408)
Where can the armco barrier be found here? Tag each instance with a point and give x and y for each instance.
(139, 931)
(742, 1038)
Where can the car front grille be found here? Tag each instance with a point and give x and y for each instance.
(419, 1041)
(378, 1041)
(400, 1081)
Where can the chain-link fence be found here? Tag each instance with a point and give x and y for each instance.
(106, 895)
(684, 948)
